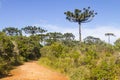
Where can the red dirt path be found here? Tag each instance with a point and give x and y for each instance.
(34, 71)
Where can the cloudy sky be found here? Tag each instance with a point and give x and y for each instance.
(49, 14)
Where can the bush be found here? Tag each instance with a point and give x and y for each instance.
(80, 73)
(6, 54)
(28, 47)
(91, 62)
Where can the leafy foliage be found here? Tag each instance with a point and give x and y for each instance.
(69, 36)
(12, 31)
(33, 30)
(80, 16)
(28, 47)
(16, 49)
(6, 54)
(94, 60)
(92, 40)
(91, 62)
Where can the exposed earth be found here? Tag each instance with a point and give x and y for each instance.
(34, 71)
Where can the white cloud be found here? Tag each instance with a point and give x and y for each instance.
(98, 31)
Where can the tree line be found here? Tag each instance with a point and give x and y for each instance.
(40, 32)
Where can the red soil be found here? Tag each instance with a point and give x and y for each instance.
(34, 71)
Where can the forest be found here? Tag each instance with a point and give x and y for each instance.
(90, 59)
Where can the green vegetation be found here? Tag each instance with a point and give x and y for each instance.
(80, 16)
(6, 56)
(99, 61)
(12, 31)
(94, 59)
(15, 49)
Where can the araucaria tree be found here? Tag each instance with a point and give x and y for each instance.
(12, 31)
(80, 16)
(109, 34)
(33, 30)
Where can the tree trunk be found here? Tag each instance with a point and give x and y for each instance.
(80, 32)
(109, 39)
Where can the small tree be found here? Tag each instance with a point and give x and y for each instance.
(33, 30)
(54, 37)
(12, 31)
(68, 36)
(92, 40)
(109, 34)
(80, 16)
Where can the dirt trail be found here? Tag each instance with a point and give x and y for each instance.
(34, 71)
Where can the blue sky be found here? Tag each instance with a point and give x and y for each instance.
(49, 14)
